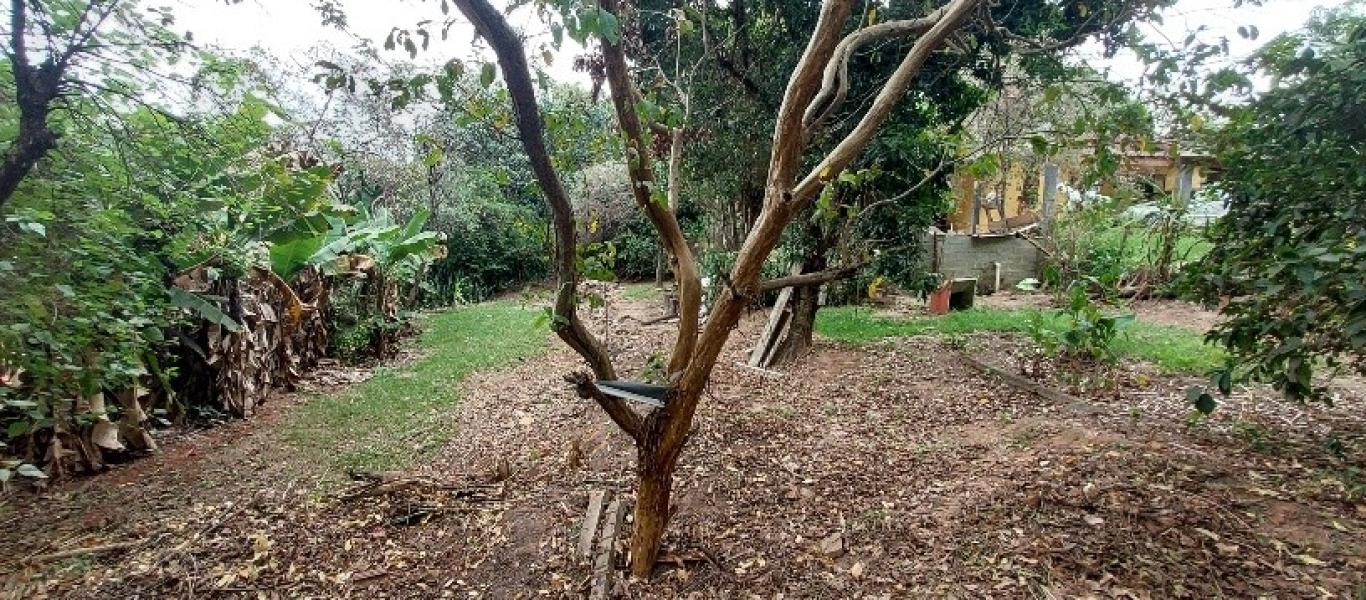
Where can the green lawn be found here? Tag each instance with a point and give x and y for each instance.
(1173, 349)
(404, 412)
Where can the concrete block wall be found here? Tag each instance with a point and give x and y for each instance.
(957, 255)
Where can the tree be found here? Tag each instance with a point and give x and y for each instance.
(54, 49)
(868, 226)
(1290, 256)
(817, 86)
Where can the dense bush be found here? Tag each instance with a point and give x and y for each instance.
(1096, 242)
(637, 250)
(122, 253)
(1290, 257)
(492, 246)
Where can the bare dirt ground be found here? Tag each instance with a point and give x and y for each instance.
(888, 471)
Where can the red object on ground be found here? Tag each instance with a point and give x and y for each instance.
(939, 299)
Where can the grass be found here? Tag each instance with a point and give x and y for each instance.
(645, 290)
(404, 413)
(856, 325)
(1173, 350)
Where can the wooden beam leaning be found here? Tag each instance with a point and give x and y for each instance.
(604, 568)
(589, 528)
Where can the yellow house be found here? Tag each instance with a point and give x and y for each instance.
(1003, 205)
(1001, 199)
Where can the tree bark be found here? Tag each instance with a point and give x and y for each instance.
(489, 22)
(805, 303)
(654, 485)
(806, 298)
(639, 164)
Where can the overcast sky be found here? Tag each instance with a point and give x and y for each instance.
(289, 28)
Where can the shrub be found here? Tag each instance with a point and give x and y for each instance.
(491, 246)
(1086, 333)
(1290, 256)
(637, 249)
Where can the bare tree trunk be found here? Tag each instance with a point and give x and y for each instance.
(806, 298)
(805, 303)
(654, 485)
(662, 434)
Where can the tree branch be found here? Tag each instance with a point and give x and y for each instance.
(788, 139)
(490, 24)
(639, 168)
(34, 90)
(835, 80)
(812, 279)
(951, 18)
(784, 162)
(621, 413)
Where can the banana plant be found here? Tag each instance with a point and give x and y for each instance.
(397, 252)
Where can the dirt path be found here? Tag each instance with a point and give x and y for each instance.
(921, 476)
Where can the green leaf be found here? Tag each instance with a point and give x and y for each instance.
(204, 308)
(1200, 400)
(17, 428)
(28, 470)
(286, 259)
(416, 223)
(608, 27)
(486, 74)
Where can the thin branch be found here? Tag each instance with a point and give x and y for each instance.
(622, 414)
(952, 18)
(784, 162)
(835, 80)
(490, 24)
(812, 279)
(639, 169)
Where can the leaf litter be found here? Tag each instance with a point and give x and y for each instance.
(892, 470)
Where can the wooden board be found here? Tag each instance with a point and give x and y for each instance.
(768, 338)
(604, 568)
(591, 517)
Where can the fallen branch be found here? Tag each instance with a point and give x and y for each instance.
(658, 320)
(1020, 383)
(811, 279)
(420, 514)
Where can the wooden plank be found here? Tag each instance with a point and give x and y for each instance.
(589, 527)
(784, 325)
(605, 567)
(766, 338)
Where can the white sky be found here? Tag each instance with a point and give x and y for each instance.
(289, 28)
